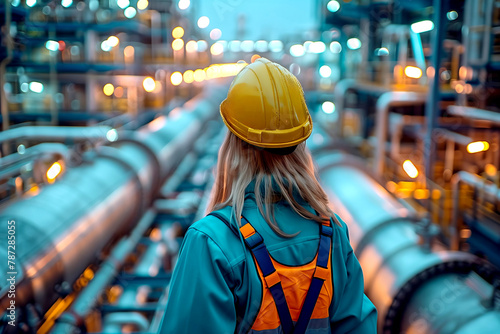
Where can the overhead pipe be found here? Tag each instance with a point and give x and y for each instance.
(384, 103)
(475, 181)
(475, 114)
(398, 271)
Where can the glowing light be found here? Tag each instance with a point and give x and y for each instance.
(176, 78)
(235, 46)
(105, 46)
(333, 6)
(452, 15)
(15, 3)
(216, 49)
(413, 72)
(353, 43)
(30, 3)
(276, 46)
(188, 76)
(325, 71)
(489, 169)
(328, 107)
(199, 75)
(260, 46)
(177, 44)
(66, 3)
(297, 50)
(112, 135)
(54, 171)
(191, 46)
(410, 169)
(129, 51)
(108, 89)
(478, 146)
(52, 45)
(215, 34)
(317, 47)
(184, 4)
(422, 26)
(62, 45)
(335, 47)
(382, 52)
(203, 22)
(36, 87)
(123, 3)
(247, 46)
(142, 4)
(21, 149)
(24, 87)
(119, 92)
(149, 84)
(254, 58)
(178, 32)
(202, 45)
(130, 12)
(113, 41)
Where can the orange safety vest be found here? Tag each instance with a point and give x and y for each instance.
(292, 295)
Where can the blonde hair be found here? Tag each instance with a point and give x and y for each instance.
(277, 177)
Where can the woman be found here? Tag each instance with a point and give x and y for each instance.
(271, 257)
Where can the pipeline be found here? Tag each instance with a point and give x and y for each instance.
(63, 229)
(413, 288)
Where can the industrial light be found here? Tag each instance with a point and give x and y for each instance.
(176, 78)
(149, 84)
(108, 89)
(478, 146)
(129, 12)
(21, 149)
(261, 46)
(297, 50)
(216, 49)
(142, 4)
(54, 171)
(275, 46)
(422, 26)
(66, 3)
(317, 47)
(410, 169)
(188, 76)
(353, 43)
(105, 46)
(382, 52)
(123, 3)
(328, 107)
(129, 51)
(119, 92)
(325, 71)
(333, 6)
(30, 3)
(177, 32)
(52, 45)
(215, 34)
(24, 87)
(335, 47)
(15, 3)
(177, 44)
(184, 4)
(113, 41)
(413, 72)
(235, 46)
(452, 15)
(202, 45)
(191, 46)
(203, 22)
(199, 75)
(36, 87)
(112, 135)
(247, 46)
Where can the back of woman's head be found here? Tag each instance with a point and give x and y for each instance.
(267, 116)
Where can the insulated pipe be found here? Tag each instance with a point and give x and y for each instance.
(475, 113)
(384, 103)
(62, 229)
(472, 180)
(384, 237)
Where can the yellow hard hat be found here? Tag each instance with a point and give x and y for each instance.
(265, 106)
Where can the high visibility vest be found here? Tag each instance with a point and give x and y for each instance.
(292, 296)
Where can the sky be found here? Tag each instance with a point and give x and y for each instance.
(263, 19)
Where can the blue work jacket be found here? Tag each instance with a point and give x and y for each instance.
(215, 287)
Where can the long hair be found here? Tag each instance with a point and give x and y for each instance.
(277, 177)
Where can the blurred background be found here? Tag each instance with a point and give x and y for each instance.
(111, 127)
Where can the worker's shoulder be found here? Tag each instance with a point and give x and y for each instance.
(216, 226)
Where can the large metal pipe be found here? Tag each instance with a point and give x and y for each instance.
(475, 113)
(386, 240)
(62, 229)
